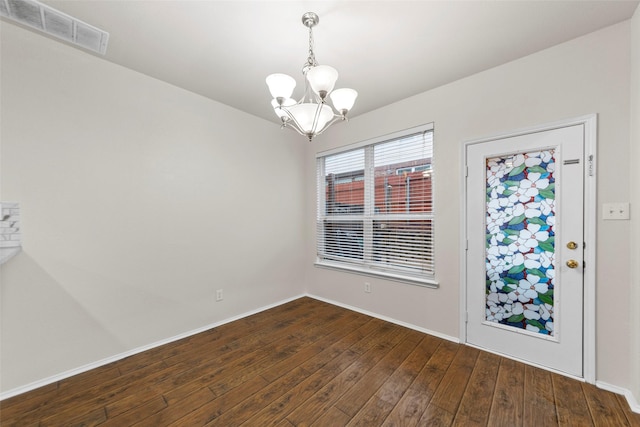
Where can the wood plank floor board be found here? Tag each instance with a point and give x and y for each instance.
(445, 402)
(173, 412)
(101, 396)
(92, 418)
(355, 398)
(183, 385)
(37, 399)
(374, 337)
(571, 404)
(449, 394)
(60, 406)
(603, 407)
(217, 406)
(633, 418)
(334, 331)
(120, 406)
(263, 397)
(136, 413)
(378, 347)
(80, 382)
(333, 417)
(297, 395)
(321, 369)
(306, 363)
(378, 407)
(276, 353)
(508, 397)
(539, 407)
(435, 416)
(476, 401)
(416, 399)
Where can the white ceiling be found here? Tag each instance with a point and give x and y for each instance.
(386, 50)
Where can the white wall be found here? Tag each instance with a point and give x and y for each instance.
(587, 75)
(635, 203)
(138, 201)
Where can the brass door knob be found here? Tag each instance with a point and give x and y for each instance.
(572, 263)
(572, 245)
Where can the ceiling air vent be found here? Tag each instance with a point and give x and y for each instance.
(51, 21)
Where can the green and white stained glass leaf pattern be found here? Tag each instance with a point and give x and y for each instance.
(520, 246)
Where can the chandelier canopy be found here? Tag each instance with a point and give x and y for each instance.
(311, 115)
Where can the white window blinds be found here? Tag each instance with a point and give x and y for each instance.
(375, 207)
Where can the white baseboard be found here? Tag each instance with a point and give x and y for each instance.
(631, 399)
(386, 319)
(71, 372)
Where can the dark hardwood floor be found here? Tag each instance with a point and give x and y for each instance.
(308, 363)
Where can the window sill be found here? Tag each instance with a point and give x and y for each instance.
(411, 280)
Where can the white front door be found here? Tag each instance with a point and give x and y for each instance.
(525, 247)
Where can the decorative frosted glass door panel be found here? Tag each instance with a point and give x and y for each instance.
(524, 281)
(520, 253)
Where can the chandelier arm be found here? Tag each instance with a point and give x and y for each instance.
(316, 116)
(294, 127)
(336, 118)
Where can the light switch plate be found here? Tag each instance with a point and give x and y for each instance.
(615, 211)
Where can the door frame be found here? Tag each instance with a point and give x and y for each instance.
(590, 124)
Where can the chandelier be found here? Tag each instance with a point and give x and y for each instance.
(311, 115)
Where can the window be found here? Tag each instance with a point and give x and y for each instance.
(375, 207)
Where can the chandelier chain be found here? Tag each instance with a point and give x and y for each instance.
(311, 60)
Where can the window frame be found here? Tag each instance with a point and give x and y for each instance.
(369, 268)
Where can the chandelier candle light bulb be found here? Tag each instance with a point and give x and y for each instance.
(311, 115)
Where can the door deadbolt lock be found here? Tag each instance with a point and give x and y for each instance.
(572, 245)
(572, 263)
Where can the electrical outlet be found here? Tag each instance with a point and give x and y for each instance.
(367, 287)
(219, 295)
